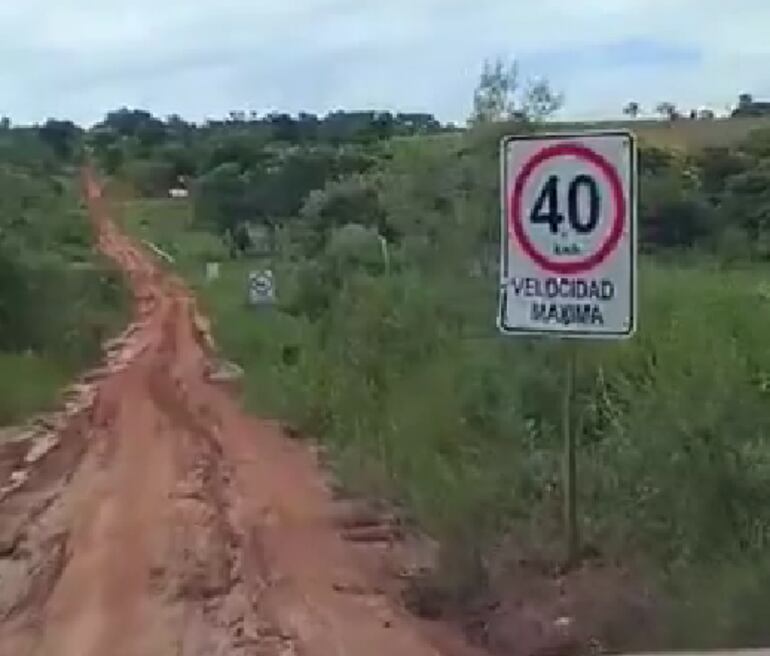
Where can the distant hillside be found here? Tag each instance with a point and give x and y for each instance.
(683, 133)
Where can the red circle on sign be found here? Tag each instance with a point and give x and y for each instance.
(616, 188)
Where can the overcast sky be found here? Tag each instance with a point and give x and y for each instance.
(200, 58)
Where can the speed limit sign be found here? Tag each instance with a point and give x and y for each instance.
(261, 287)
(569, 235)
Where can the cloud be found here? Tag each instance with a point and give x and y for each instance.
(79, 59)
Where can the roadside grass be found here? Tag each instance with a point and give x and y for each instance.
(76, 309)
(405, 379)
(28, 384)
(60, 300)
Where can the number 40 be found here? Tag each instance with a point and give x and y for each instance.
(546, 209)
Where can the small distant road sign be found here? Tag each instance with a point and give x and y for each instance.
(261, 287)
(212, 271)
(568, 256)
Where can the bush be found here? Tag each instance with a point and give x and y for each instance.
(350, 201)
(57, 300)
(150, 177)
(672, 216)
(746, 204)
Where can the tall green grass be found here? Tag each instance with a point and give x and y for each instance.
(419, 400)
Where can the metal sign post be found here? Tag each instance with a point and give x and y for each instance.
(568, 255)
(569, 475)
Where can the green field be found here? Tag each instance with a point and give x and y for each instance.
(684, 134)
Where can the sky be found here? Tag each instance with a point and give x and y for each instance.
(79, 59)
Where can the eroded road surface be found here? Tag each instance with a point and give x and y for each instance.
(155, 518)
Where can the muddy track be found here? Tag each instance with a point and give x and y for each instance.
(160, 519)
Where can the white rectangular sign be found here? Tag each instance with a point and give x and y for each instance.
(568, 264)
(261, 287)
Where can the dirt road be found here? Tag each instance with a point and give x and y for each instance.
(155, 518)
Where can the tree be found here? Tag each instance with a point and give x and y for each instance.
(749, 106)
(61, 136)
(416, 123)
(672, 216)
(285, 128)
(667, 110)
(178, 128)
(745, 101)
(220, 198)
(307, 126)
(112, 158)
(541, 101)
(632, 109)
(354, 246)
(150, 177)
(746, 202)
(240, 237)
(495, 96)
(353, 200)
(179, 158)
(717, 164)
(246, 151)
(14, 300)
(498, 96)
(131, 122)
(654, 160)
(757, 144)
